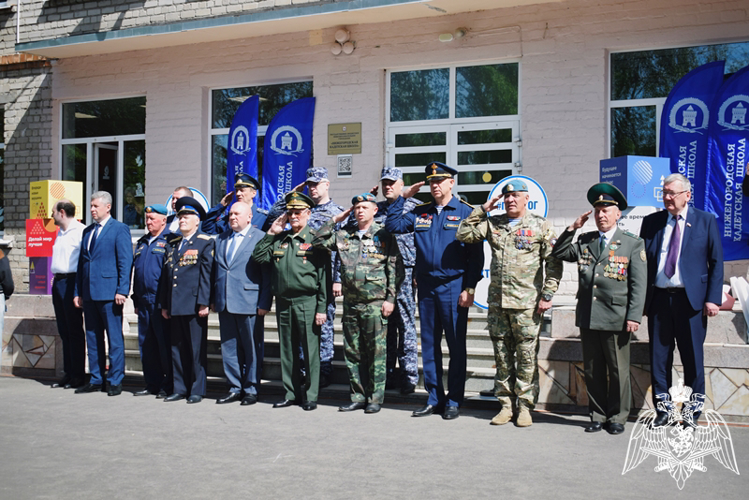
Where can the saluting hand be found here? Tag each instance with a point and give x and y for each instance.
(278, 225)
(227, 198)
(412, 190)
(342, 216)
(300, 187)
(375, 189)
(580, 221)
(492, 204)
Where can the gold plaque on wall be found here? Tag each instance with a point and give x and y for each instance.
(344, 138)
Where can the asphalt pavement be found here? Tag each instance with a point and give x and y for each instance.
(55, 444)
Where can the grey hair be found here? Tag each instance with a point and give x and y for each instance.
(103, 196)
(685, 184)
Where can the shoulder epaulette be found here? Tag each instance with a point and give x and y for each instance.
(174, 238)
(466, 203)
(632, 235)
(203, 236)
(422, 204)
(262, 211)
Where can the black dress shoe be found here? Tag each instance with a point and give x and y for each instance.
(229, 398)
(114, 390)
(62, 382)
(407, 388)
(84, 389)
(372, 408)
(487, 393)
(249, 399)
(174, 397)
(614, 428)
(194, 399)
(594, 427)
(324, 381)
(162, 394)
(74, 383)
(144, 392)
(309, 405)
(284, 403)
(353, 406)
(425, 411)
(660, 420)
(451, 413)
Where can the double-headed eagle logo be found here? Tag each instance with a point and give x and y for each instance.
(681, 445)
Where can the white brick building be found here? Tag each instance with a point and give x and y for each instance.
(180, 61)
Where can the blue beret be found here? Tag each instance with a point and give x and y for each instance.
(157, 209)
(515, 185)
(363, 197)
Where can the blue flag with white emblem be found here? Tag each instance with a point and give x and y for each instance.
(241, 149)
(287, 150)
(684, 125)
(727, 149)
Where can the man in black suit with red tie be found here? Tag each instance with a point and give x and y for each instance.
(685, 280)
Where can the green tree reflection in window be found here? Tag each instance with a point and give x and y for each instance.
(420, 95)
(490, 90)
(633, 131)
(226, 102)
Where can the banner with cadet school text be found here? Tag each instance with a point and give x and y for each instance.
(684, 125)
(727, 149)
(241, 148)
(287, 150)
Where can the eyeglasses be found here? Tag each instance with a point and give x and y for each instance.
(670, 194)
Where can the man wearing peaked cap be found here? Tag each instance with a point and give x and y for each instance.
(612, 281)
(524, 279)
(185, 295)
(298, 201)
(371, 272)
(447, 272)
(246, 188)
(153, 330)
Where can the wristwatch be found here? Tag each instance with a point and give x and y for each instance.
(546, 296)
(471, 291)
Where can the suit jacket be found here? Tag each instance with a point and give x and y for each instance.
(612, 283)
(186, 277)
(241, 286)
(701, 259)
(105, 272)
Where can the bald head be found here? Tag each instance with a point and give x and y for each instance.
(240, 216)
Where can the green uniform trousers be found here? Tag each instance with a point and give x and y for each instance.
(606, 363)
(514, 334)
(365, 349)
(296, 327)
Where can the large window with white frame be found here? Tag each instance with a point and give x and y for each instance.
(103, 145)
(641, 82)
(226, 102)
(466, 116)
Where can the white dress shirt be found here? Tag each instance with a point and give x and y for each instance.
(608, 235)
(66, 249)
(238, 237)
(661, 280)
(98, 230)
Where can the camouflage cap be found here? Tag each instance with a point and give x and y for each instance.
(391, 173)
(317, 174)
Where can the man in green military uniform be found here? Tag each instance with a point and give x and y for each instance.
(371, 272)
(299, 282)
(524, 277)
(612, 272)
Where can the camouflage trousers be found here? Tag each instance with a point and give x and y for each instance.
(514, 334)
(401, 336)
(365, 350)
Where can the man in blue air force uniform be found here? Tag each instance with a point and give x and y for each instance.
(246, 188)
(447, 272)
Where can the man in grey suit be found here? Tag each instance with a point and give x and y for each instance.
(241, 291)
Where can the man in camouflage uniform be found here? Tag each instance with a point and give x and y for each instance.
(318, 186)
(371, 271)
(402, 343)
(521, 244)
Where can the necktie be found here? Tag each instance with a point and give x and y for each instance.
(231, 249)
(673, 250)
(602, 245)
(93, 239)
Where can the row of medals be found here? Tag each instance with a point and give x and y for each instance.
(617, 267)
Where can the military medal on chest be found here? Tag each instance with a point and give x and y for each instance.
(585, 259)
(523, 239)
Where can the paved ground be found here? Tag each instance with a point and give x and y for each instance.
(56, 444)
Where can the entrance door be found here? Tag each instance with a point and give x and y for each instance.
(105, 175)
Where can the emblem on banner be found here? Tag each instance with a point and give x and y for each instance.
(689, 115)
(240, 140)
(287, 140)
(681, 445)
(732, 113)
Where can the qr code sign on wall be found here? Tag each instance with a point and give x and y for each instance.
(345, 165)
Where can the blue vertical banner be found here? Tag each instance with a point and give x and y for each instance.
(727, 141)
(241, 149)
(287, 150)
(684, 125)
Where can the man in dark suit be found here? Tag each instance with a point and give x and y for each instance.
(242, 296)
(102, 286)
(185, 294)
(611, 293)
(685, 280)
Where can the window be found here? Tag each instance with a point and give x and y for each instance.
(226, 102)
(104, 146)
(465, 116)
(641, 82)
(2, 169)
